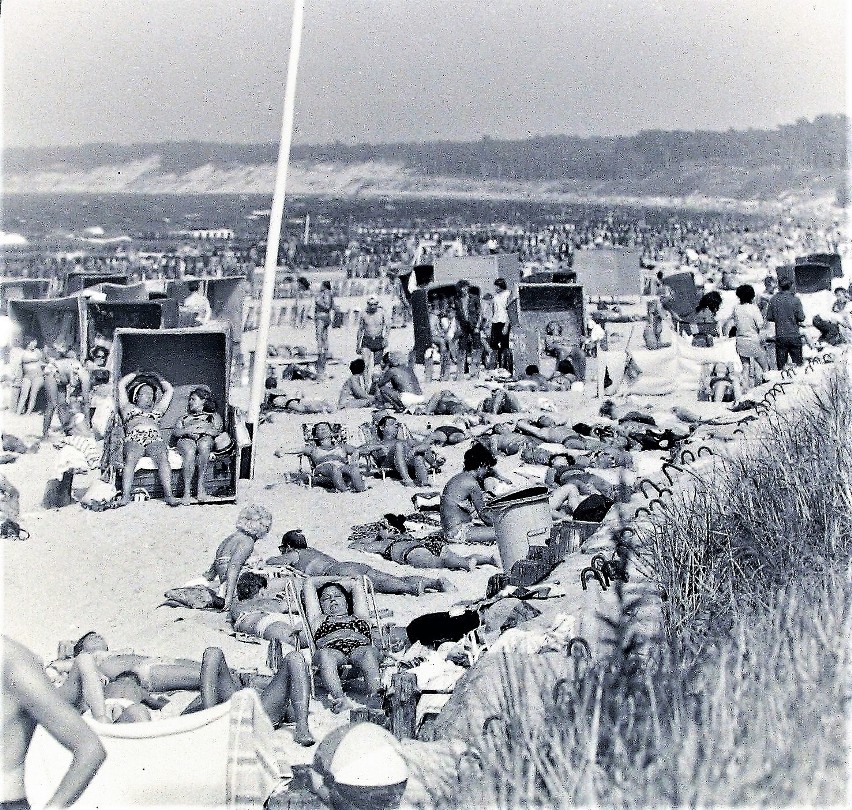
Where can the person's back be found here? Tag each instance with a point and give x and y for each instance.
(404, 380)
(786, 312)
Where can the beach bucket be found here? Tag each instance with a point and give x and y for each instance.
(521, 519)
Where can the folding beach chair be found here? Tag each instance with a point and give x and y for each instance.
(306, 465)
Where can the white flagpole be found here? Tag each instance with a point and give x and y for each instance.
(275, 218)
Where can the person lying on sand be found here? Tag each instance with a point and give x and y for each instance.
(463, 496)
(297, 403)
(285, 696)
(258, 612)
(429, 552)
(296, 554)
(253, 522)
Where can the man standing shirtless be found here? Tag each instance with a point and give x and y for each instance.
(371, 339)
(28, 700)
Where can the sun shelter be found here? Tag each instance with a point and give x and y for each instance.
(685, 296)
(23, 289)
(480, 271)
(608, 272)
(226, 295)
(50, 321)
(421, 301)
(78, 280)
(540, 305)
(808, 278)
(102, 318)
(186, 358)
(831, 260)
(123, 292)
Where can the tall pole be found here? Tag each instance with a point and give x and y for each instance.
(276, 216)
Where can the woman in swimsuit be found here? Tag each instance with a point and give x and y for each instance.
(253, 523)
(338, 462)
(142, 411)
(195, 432)
(428, 552)
(338, 616)
(32, 362)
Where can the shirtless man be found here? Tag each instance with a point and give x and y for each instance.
(61, 373)
(398, 385)
(296, 554)
(463, 496)
(371, 339)
(28, 700)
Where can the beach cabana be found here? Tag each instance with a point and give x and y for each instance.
(50, 321)
(102, 318)
(226, 295)
(810, 277)
(539, 305)
(77, 280)
(186, 358)
(421, 300)
(608, 272)
(23, 289)
(831, 260)
(685, 297)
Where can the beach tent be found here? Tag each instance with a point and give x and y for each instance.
(78, 280)
(104, 317)
(23, 289)
(186, 358)
(831, 260)
(123, 292)
(226, 756)
(608, 272)
(421, 300)
(685, 295)
(50, 320)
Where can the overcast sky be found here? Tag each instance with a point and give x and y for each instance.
(131, 71)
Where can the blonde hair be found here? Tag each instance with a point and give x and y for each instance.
(254, 520)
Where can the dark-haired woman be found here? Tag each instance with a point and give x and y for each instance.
(704, 325)
(339, 620)
(196, 432)
(748, 322)
(141, 409)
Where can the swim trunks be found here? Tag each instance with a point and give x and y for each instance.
(449, 431)
(410, 400)
(459, 533)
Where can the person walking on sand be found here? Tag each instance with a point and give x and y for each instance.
(29, 700)
(371, 340)
(324, 309)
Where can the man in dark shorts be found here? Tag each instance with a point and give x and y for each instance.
(371, 340)
(786, 312)
(468, 313)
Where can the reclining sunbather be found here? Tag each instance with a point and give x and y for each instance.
(296, 554)
(409, 458)
(257, 612)
(253, 522)
(429, 552)
(339, 620)
(337, 462)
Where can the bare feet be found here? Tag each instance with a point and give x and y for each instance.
(341, 704)
(186, 500)
(171, 500)
(303, 736)
(446, 585)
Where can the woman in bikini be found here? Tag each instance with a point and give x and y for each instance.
(142, 411)
(338, 616)
(428, 552)
(337, 462)
(32, 366)
(195, 433)
(253, 523)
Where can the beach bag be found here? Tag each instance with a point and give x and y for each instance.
(197, 597)
(57, 492)
(593, 509)
(13, 530)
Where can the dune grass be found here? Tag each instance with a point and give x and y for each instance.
(742, 698)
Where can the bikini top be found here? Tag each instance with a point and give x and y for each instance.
(331, 624)
(134, 412)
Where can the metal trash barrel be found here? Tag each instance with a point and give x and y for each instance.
(521, 519)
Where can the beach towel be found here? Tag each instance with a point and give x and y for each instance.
(256, 759)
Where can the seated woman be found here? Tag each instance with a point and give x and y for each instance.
(285, 697)
(32, 364)
(195, 433)
(339, 620)
(704, 325)
(65, 381)
(142, 411)
(429, 552)
(355, 392)
(337, 462)
(564, 344)
(253, 523)
(724, 384)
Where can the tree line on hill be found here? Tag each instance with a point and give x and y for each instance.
(817, 146)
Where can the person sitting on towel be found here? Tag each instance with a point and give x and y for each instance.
(463, 496)
(253, 522)
(355, 392)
